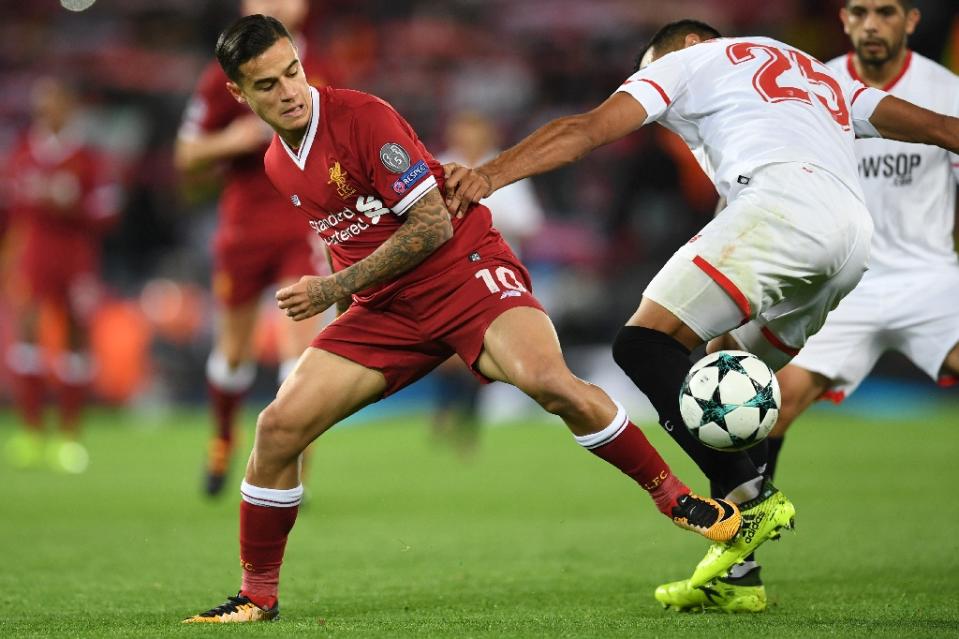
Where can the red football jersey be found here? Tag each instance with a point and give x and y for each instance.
(56, 188)
(249, 207)
(59, 205)
(358, 171)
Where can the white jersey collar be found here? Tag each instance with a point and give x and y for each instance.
(300, 155)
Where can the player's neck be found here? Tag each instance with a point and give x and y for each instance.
(293, 138)
(880, 75)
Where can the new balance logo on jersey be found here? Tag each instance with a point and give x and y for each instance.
(899, 167)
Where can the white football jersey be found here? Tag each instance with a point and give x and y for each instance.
(743, 103)
(910, 188)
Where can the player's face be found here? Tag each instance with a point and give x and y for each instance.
(51, 103)
(290, 12)
(275, 87)
(878, 28)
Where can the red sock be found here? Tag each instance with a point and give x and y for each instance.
(263, 534)
(71, 400)
(29, 398)
(632, 453)
(225, 406)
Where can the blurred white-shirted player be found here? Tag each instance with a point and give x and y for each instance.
(472, 139)
(774, 129)
(909, 299)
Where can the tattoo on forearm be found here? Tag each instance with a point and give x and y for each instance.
(426, 228)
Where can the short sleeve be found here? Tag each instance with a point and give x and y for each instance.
(658, 85)
(211, 107)
(862, 102)
(394, 160)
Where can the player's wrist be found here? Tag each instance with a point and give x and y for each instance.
(485, 175)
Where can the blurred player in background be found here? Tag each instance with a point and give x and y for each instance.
(774, 130)
(908, 300)
(424, 287)
(517, 215)
(60, 202)
(258, 244)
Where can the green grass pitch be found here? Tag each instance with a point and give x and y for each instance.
(532, 537)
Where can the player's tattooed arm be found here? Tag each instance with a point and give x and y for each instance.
(344, 304)
(426, 228)
(897, 119)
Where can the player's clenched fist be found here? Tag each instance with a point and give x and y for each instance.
(309, 296)
(464, 186)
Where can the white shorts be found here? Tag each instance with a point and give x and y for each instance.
(769, 267)
(913, 312)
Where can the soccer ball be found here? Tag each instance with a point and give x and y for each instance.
(730, 400)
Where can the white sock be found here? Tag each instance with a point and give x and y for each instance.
(236, 380)
(272, 497)
(286, 367)
(746, 490)
(608, 434)
(24, 358)
(740, 569)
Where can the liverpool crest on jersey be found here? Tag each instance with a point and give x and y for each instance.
(341, 178)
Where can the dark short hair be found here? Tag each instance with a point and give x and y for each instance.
(672, 35)
(245, 39)
(905, 4)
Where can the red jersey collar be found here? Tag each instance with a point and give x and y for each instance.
(851, 67)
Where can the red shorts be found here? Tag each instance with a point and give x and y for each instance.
(58, 269)
(430, 320)
(242, 270)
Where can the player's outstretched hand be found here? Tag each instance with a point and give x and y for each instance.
(311, 295)
(464, 186)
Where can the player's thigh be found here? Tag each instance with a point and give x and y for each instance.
(691, 301)
(521, 346)
(799, 389)
(235, 326)
(389, 340)
(322, 390)
(778, 332)
(950, 367)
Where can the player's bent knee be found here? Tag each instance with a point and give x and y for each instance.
(278, 435)
(553, 388)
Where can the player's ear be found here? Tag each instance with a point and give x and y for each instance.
(912, 19)
(235, 91)
(691, 39)
(844, 17)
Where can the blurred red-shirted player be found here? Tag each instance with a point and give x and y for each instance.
(60, 204)
(258, 243)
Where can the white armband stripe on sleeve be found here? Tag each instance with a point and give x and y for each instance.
(864, 101)
(414, 196)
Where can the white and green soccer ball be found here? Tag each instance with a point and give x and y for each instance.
(730, 400)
